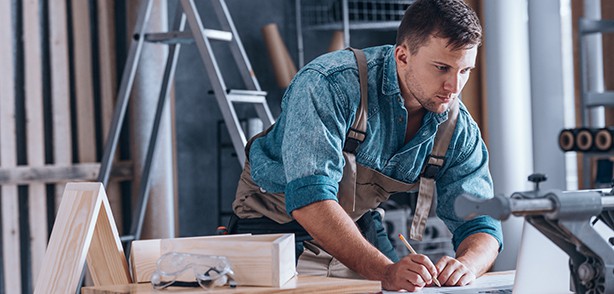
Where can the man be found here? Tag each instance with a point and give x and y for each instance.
(330, 158)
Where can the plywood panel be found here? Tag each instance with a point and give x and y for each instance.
(106, 260)
(11, 270)
(60, 88)
(84, 223)
(35, 139)
(70, 239)
(82, 61)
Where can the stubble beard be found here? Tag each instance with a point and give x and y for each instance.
(431, 104)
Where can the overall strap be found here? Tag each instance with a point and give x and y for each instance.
(434, 163)
(357, 133)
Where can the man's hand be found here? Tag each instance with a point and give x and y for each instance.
(411, 273)
(474, 257)
(452, 272)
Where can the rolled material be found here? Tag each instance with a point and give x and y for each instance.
(584, 140)
(587, 139)
(567, 140)
(336, 42)
(604, 139)
(282, 63)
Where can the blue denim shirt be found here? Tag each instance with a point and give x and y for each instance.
(302, 155)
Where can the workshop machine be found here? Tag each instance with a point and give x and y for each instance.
(567, 219)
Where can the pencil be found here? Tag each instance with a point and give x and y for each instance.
(412, 251)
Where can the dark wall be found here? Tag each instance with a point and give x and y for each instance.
(207, 167)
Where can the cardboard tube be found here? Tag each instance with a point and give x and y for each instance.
(336, 42)
(603, 139)
(567, 140)
(282, 63)
(584, 140)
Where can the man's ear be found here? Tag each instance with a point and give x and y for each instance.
(401, 55)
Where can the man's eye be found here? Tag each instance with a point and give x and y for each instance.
(466, 71)
(441, 67)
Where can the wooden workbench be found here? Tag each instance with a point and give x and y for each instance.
(300, 284)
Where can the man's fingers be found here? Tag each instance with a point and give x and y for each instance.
(446, 266)
(453, 272)
(426, 264)
(416, 279)
(455, 277)
(466, 279)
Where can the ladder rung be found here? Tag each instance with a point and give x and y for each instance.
(127, 238)
(246, 92)
(169, 38)
(246, 98)
(185, 37)
(218, 35)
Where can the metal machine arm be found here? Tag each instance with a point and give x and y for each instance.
(565, 218)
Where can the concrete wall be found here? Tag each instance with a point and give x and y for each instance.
(197, 113)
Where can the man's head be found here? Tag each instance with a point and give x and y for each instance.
(436, 49)
(447, 19)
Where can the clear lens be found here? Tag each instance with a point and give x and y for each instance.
(209, 270)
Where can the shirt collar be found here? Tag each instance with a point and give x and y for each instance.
(390, 83)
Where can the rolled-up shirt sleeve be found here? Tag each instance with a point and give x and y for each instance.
(467, 173)
(315, 128)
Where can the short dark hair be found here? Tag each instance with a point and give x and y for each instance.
(450, 19)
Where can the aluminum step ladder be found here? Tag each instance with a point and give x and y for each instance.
(226, 98)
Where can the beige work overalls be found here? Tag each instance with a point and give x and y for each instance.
(360, 190)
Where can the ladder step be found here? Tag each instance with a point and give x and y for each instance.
(184, 37)
(246, 96)
(246, 92)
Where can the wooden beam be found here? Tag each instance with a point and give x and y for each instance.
(8, 153)
(82, 61)
(108, 90)
(77, 226)
(20, 175)
(60, 89)
(35, 137)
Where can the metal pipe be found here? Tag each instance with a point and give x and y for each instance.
(521, 207)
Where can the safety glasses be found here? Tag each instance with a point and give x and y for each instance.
(209, 271)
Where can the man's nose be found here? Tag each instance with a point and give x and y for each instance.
(453, 84)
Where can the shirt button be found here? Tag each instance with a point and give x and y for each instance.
(262, 190)
(400, 119)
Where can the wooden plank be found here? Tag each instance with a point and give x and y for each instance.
(106, 260)
(70, 239)
(82, 61)
(297, 285)
(258, 260)
(35, 137)
(108, 90)
(60, 89)
(57, 173)
(11, 271)
(75, 229)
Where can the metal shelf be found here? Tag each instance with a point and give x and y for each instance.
(599, 99)
(346, 15)
(363, 25)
